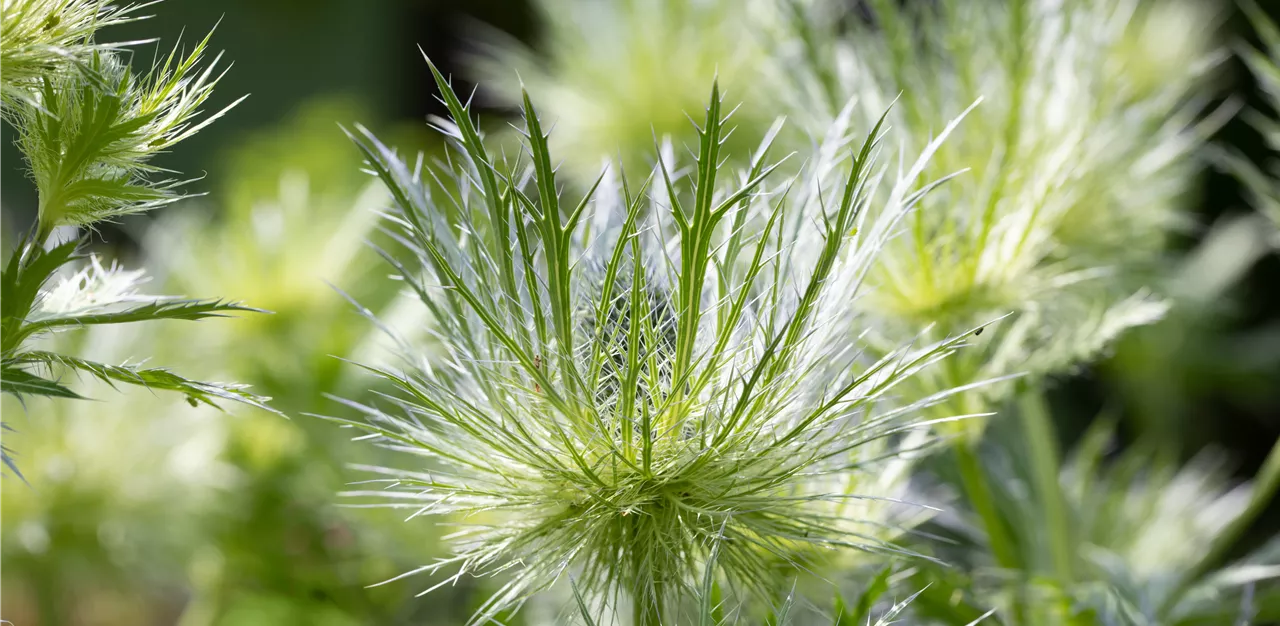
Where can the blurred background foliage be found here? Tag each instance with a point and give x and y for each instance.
(143, 510)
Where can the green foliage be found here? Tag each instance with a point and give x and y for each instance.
(572, 426)
(112, 512)
(1138, 529)
(88, 136)
(87, 127)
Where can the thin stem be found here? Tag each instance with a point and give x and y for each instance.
(54, 610)
(978, 492)
(646, 613)
(1042, 447)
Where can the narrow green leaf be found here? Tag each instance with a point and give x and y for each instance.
(159, 310)
(582, 603)
(23, 383)
(151, 378)
(860, 612)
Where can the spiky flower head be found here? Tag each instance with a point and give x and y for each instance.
(88, 136)
(630, 381)
(1076, 168)
(1078, 157)
(41, 38)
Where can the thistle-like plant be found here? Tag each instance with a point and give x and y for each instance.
(88, 127)
(1078, 156)
(633, 381)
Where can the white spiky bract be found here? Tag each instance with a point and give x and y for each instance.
(632, 379)
(93, 288)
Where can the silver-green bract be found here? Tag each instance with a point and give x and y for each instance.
(626, 379)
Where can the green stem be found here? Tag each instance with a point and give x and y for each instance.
(1042, 447)
(54, 610)
(978, 492)
(44, 228)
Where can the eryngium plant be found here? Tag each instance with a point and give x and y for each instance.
(630, 381)
(1146, 538)
(88, 127)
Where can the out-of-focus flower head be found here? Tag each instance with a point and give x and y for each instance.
(1075, 167)
(1263, 185)
(115, 493)
(615, 75)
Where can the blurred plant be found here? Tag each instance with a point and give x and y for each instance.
(1076, 167)
(612, 75)
(1161, 373)
(631, 384)
(109, 517)
(88, 127)
(291, 220)
(1143, 532)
